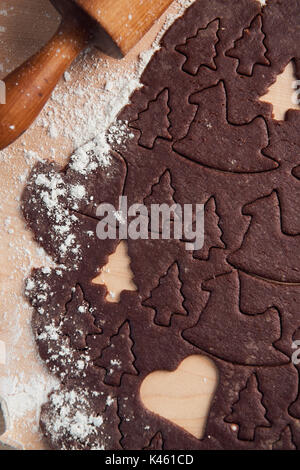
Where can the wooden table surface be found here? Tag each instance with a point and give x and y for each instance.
(25, 25)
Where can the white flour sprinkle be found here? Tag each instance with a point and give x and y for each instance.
(77, 191)
(51, 332)
(21, 395)
(91, 156)
(78, 425)
(78, 116)
(109, 400)
(71, 420)
(53, 194)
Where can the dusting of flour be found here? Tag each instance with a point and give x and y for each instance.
(74, 122)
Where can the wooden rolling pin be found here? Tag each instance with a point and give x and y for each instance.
(114, 26)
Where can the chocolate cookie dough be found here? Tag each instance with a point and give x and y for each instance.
(197, 133)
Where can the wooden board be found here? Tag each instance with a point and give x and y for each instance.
(28, 24)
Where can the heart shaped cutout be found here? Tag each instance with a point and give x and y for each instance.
(183, 396)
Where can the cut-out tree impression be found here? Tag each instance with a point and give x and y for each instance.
(250, 49)
(166, 298)
(157, 126)
(118, 358)
(248, 412)
(116, 275)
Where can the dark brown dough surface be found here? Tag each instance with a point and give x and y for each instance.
(199, 135)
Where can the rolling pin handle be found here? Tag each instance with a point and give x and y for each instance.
(29, 86)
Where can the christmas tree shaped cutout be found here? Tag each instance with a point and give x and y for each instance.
(250, 48)
(213, 233)
(162, 193)
(200, 49)
(117, 358)
(248, 412)
(116, 275)
(166, 298)
(153, 122)
(78, 322)
(282, 94)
